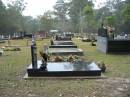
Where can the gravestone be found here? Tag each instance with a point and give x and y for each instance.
(34, 53)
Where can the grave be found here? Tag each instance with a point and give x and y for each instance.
(60, 69)
(63, 42)
(62, 38)
(65, 51)
(64, 69)
(63, 46)
(111, 45)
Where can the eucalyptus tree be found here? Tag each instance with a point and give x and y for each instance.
(30, 24)
(14, 14)
(60, 11)
(76, 13)
(46, 21)
(126, 16)
(89, 18)
(2, 17)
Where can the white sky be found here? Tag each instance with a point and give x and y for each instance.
(38, 7)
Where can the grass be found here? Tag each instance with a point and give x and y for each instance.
(13, 67)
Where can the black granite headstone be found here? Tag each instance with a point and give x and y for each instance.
(34, 53)
(102, 32)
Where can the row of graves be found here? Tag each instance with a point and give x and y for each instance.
(61, 46)
(107, 42)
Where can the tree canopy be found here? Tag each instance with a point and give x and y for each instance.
(68, 15)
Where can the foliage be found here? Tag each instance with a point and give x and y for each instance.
(68, 15)
(30, 25)
(46, 22)
(88, 10)
(11, 17)
(111, 20)
(126, 16)
(89, 19)
(2, 17)
(75, 13)
(60, 11)
(126, 12)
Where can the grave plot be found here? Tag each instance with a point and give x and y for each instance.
(63, 46)
(63, 43)
(63, 38)
(64, 69)
(65, 51)
(107, 44)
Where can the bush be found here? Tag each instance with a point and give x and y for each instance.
(2, 41)
(12, 49)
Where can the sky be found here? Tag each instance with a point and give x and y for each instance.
(35, 8)
(38, 7)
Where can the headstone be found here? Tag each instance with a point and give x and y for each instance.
(102, 32)
(34, 53)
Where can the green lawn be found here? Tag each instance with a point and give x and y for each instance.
(13, 67)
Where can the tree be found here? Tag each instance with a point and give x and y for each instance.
(14, 12)
(88, 14)
(45, 22)
(126, 16)
(111, 20)
(75, 13)
(60, 10)
(2, 17)
(30, 25)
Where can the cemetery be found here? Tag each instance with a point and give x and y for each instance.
(65, 48)
(16, 64)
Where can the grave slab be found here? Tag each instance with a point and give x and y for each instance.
(63, 43)
(63, 46)
(65, 51)
(65, 69)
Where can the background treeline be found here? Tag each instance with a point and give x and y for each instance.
(68, 15)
